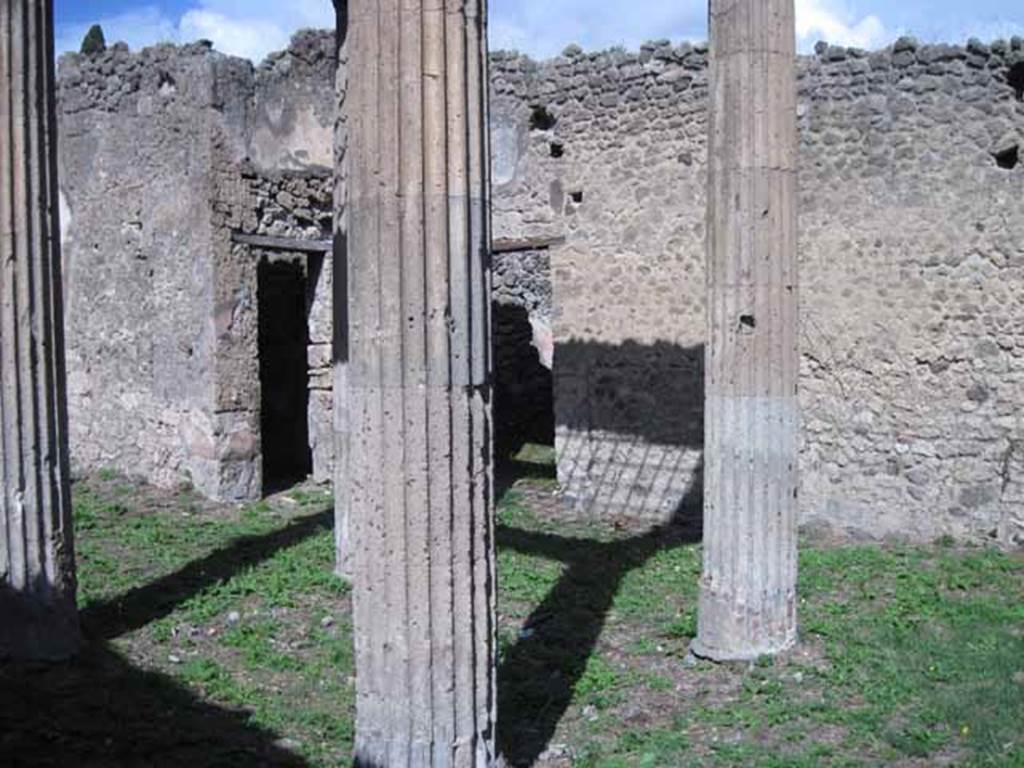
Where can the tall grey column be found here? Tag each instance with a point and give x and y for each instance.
(38, 619)
(748, 589)
(419, 459)
(342, 534)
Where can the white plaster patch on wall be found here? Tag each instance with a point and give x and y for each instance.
(301, 142)
(65, 219)
(505, 150)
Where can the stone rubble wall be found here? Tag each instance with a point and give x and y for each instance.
(913, 313)
(292, 122)
(166, 153)
(136, 152)
(237, 429)
(911, 243)
(912, 258)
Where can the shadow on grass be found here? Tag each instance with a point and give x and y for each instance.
(100, 711)
(508, 472)
(143, 605)
(629, 398)
(538, 674)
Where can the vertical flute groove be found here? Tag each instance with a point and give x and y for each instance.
(38, 619)
(747, 599)
(422, 533)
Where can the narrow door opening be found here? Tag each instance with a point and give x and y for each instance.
(284, 372)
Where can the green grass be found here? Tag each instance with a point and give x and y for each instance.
(254, 641)
(909, 653)
(930, 640)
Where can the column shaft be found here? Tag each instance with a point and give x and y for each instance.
(418, 381)
(342, 534)
(748, 589)
(38, 619)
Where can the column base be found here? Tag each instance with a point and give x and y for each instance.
(726, 655)
(729, 630)
(385, 754)
(33, 631)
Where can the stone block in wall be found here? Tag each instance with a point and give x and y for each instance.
(238, 456)
(321, 434)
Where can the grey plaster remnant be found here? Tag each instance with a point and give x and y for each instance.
(418, 454)
(747, 603)
(38, 618)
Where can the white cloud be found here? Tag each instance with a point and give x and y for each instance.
(248, 38)
(247, 29)
(835, 23)
(542, 28)
(253, 29)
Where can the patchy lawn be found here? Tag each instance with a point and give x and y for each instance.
(219, 637)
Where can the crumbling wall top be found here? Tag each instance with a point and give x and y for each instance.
(114, 80)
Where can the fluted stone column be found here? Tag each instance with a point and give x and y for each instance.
(38, 620)
(748, 589)
(418, 378)
(342, 534)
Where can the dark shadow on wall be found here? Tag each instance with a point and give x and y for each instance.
(1015, 79)
(649, 392)
(98, 710)
(630, 420)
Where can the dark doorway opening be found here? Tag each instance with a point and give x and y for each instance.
(522, 307)
(284, 372)
(524, 409)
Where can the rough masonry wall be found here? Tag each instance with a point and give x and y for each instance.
(913, 292)
(135, 159)
(292, 121)
(290, 165)
(912, 251)
(606, 151)
(166, 154)
(911, 258)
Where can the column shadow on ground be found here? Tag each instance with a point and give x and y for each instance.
(629, 405)
(538, 674)
(144, 605)
(99, 711)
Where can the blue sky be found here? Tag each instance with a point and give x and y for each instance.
(252, 28)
